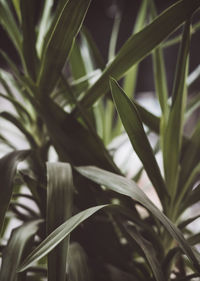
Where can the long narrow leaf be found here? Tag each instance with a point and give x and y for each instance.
(134, 128)
(149, 252)
(44, 25)
(174, 128)
(130, 79)
(140, 45)
(17, 245)
(8, 166)
(60, 41)
(129, 188)
(59, 209)
(57, 236)
(28, 9)
(8, 22)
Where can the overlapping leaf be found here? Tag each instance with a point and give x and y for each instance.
(59, 209)
(140, 45)
(8, 166)
(129, 188)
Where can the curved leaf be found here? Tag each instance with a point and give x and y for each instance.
(15, 249)
(57, 236)
(149, 252)
(129, 188)
(139, 46)
(8, 166)
(64, 29)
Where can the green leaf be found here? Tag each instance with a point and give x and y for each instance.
(139, 46)
(77, 66)
(59, 209)
(16, 4)
(174, 129)
(130, 79)
(19, 107)
(129, 188)
(16, 122)
(132, 123)
(65, 28)
(44, 25)
(67, 134)
(78, 263)
(16, 248)
(114, 35)
(57, 236)
(28, 9)
(148, 250)
(190, 157)
(9, 24)
(8, 166)
(160, 73)
(149, 119)
(95, 53)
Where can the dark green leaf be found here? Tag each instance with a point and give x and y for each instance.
(8, 22)
(130, 79)
(74, 143)
(17, 245)
(28, 9)
(8, 166)
(174, 129)
(65, 28)
(140, 45)
(132, 123)
(129, 188)
(16, 122)
(59, 209)
(149, 252)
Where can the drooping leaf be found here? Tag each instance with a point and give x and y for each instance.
(16, 122)
(139, 46)
(16, 248)
(8, 166)
(59, 209)
(65, 28)
(57, 236)
(132, 123)
(129, 188)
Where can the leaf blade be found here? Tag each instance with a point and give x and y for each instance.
(59, 189)
(137, 136)
(65, 28)
(57, 236)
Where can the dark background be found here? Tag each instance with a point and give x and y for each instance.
(99, 21)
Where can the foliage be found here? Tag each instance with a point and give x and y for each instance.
(80, 217)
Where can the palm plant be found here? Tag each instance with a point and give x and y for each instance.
(64, 98)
